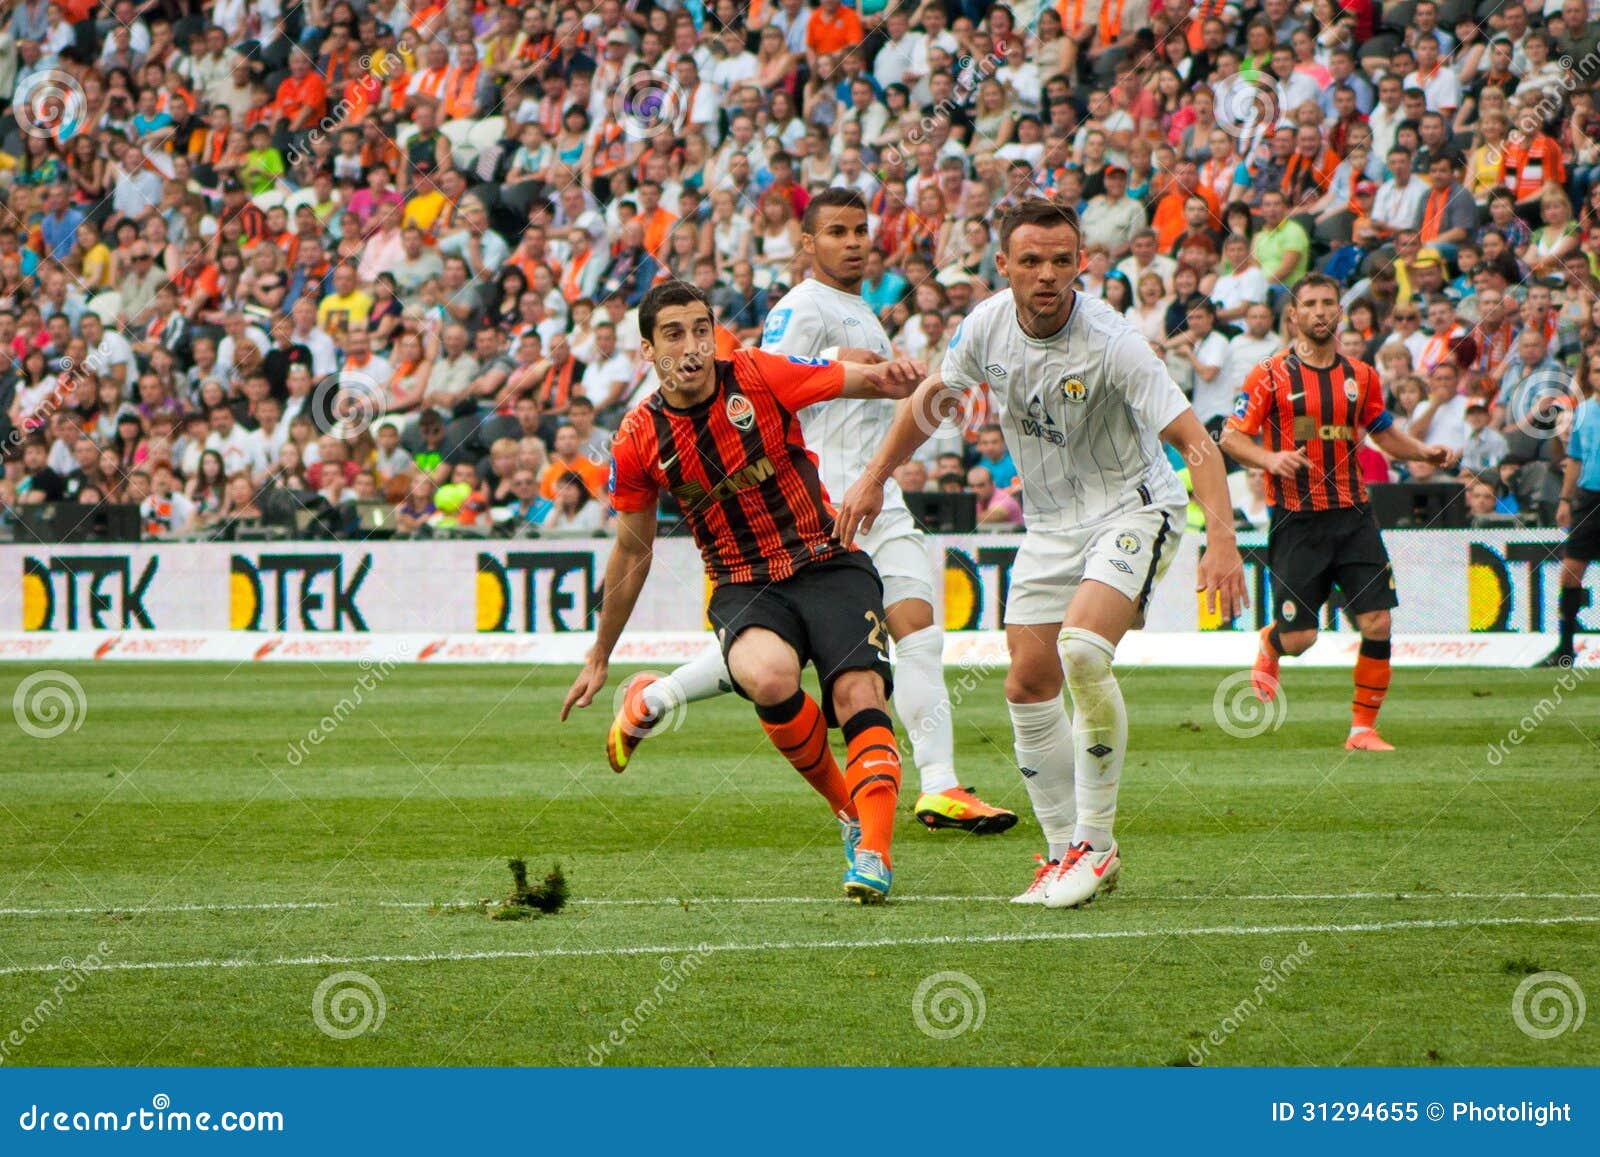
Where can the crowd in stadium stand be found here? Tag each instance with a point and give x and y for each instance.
(266, 263)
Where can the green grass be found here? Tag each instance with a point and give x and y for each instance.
(176, 794)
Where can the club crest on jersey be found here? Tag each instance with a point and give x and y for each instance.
(777, 323)
(740, 412)
(1350, 390)
(1073, 389)
(1128, 543)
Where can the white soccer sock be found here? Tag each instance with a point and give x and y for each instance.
(924, 707)
(1099, 732)
(701, 678)
(1043, 736)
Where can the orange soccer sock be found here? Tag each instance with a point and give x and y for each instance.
(1372, 683)
(872, 771)
(797, 729)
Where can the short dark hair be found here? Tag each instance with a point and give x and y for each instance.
(838, 197)
(1314, 280)
(1037, 211)
(668, 293)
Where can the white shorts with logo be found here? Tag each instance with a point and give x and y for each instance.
(900, 552)
(1128, 551)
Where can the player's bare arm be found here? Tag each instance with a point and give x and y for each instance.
(626, 571)
(1398, 444)
(1221, 570)
(924, 412)
(887, 379)
(1241, 447)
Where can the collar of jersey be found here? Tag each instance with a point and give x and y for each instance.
(699, 407)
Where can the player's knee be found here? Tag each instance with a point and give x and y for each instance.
(1032, 684)
(856, 691)
(1085, 657)
(1374, 624)
(1297, 642)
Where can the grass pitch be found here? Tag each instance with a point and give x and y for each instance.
(248, 896)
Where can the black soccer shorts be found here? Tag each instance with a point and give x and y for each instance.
(830, 612)
(1310, 552)
(1583, 540)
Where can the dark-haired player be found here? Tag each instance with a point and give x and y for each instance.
(1311, 407)
(825, 316)
(1084, 404)
(723, 438)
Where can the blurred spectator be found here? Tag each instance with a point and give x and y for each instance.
(996, 507)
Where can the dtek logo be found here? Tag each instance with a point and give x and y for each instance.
(551, 591)
(297, 592)
(85, 593)
(1039, 424)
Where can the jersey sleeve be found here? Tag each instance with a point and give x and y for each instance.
(796, 328)
(1145, 382)
(1373, 415)
(632, 489)
(796, 382)
(1250, 407)
(960, 369)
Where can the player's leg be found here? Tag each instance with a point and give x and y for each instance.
(923, 702)
(1124, 561)
(840, 603)
(1299, 565)
(1573, 599)
(647, 699)
(1042, 736)
(765, 646)
(1363, 575)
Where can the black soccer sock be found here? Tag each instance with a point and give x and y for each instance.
(1573, 600)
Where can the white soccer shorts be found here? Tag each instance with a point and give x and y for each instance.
(1128, 551)
(900, 552)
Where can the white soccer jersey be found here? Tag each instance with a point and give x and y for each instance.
(1081, 411)
(846, 432)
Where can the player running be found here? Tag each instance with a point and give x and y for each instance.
(1579, 515)
(721, 436)
(826, 317)
(1311, 406)
(1084, 404)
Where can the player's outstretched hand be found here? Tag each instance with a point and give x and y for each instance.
(1441, 456)
(1287, 463)
(901, 377)
(862, 503)
(1220, 579)
(858, 355)
(589, 683)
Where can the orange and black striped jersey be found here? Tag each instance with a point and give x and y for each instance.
(1323, 410)
(737, 465)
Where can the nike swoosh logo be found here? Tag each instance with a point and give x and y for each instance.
(666, 464)
(1101, 870)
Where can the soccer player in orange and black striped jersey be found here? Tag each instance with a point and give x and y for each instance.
(1311, 407)
(723, 438)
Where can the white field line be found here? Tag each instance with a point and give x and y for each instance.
(798, 945)
(691, 901)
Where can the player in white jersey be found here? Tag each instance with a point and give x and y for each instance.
(1085, 405)
(825, 316)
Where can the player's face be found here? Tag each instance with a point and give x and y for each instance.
(1042, 262)
(1317, 314)
(682, 349)
(840, 245)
